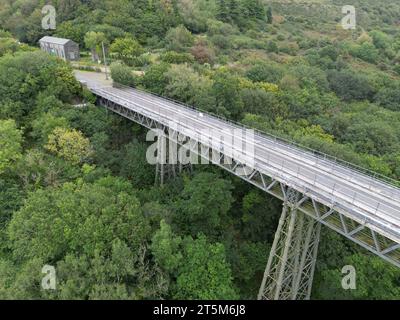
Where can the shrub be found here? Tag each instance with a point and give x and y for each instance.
(263, 72)
(366, 52)
(350, 86)
(173, 57)
(179, 38)
(122, 74)
(397, 68)
(203, 53)
(221, 41)
(141, 61)
(272, 47)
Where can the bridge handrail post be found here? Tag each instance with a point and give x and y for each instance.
(344, 164)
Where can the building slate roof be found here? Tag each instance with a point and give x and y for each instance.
(55, 40)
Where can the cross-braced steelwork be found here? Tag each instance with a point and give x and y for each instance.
(165, 166)
(326, 210)
(316, 190)
(291, 264)
(329, 211)
(164, 172)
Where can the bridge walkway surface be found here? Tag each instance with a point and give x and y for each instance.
(358, 204)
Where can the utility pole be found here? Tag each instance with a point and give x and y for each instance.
(104, 59)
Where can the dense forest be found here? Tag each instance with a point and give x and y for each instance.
(77, 193)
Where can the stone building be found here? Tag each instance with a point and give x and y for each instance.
(64, 48)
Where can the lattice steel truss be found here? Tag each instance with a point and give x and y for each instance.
(164, 170)
(291, 264)
(325, 211)
(168, 164)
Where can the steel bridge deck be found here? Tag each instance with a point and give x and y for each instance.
(360, 207)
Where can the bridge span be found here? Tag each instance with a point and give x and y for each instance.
(316, 189)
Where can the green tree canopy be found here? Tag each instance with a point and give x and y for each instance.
(126, 49)
(70, 145)
(200, 268)
(10, 144)
(179, 38)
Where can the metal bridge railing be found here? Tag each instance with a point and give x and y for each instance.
(278, 162)
(299, 148)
